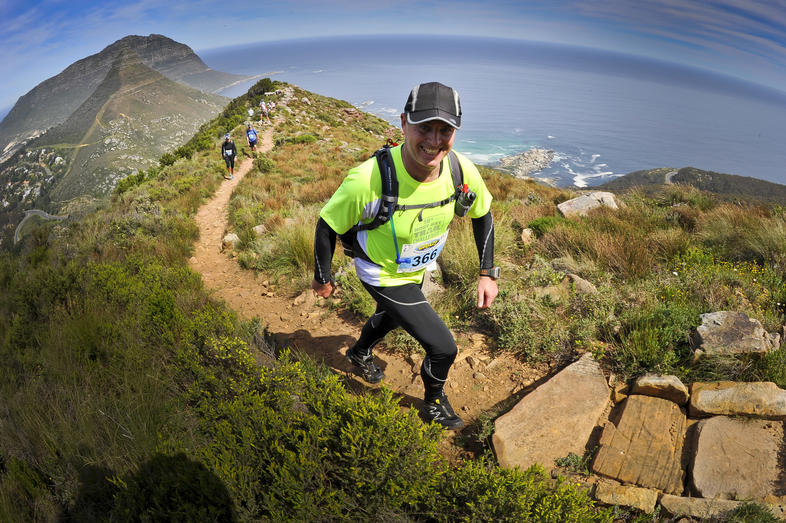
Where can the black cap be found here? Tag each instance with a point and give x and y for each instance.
(433, 101)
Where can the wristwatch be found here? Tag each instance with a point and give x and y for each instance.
(492, 273)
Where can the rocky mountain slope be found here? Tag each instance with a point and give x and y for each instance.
(52, 101)
(132, 116)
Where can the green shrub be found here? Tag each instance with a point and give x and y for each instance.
(167, 159)
(263, 163)
(477, 491)
(540, 226)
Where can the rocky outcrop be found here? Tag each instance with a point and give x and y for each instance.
(737, 458)
(581, 205)
(523, 164)
(645, 447)
(555, 419)
(723, 333)
(760, 399)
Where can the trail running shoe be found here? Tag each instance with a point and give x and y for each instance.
(440, 411)
(365, 367)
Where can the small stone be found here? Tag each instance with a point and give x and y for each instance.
(479, 376)
(527, 236)
(659, 386)
(471, 362)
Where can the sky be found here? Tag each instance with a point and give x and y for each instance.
(745, 39)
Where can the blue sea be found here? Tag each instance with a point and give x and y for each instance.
(603, 114)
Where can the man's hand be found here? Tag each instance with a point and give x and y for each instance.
(487, 291)
(323, 289)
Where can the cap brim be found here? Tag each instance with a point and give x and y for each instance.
(434, 114)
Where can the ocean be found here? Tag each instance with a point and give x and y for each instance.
(603, 114)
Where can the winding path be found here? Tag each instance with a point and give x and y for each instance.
(301, 323)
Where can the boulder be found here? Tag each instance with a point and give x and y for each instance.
(431, 281)
(645, 446)
(626, 496)
(762, 399)
(727, 332)
(582, 286)
(555, 419)
(666, 387)
(259, 230)
(737, 458)
(586, 202)
(230, 241)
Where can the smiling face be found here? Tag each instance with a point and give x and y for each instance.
(425, 145)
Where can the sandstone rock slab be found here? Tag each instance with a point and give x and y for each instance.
(727, 398)
(738, 458)
(581, 205)
(627, 496)
(645, 446)
(727, 332)
(697, 507)
(555, 419)
(660, 386)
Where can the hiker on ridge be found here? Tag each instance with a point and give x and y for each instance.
(251, 137)
(391, 253)
(228, 152)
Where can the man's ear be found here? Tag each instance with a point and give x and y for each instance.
(403, 121)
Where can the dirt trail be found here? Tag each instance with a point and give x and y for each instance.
(477, 381)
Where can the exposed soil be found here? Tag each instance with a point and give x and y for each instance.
(479, 381)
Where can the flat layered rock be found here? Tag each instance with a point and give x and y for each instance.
(555, 419)
(660, 386)
(723, 333)
(738, 458)
(697, 507)
(729, 398)
(581, 205)
(626, 496)
(645, 447)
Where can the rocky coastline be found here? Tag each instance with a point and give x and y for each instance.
(521, 165)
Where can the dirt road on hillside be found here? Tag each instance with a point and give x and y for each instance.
(478, 382)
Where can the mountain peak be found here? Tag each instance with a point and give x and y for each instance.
(52, 101)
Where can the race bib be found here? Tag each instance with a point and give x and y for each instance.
(228, 152)
(415, 256)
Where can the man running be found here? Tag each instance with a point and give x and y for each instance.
(251, 137)
(391, 259)
(228, 152)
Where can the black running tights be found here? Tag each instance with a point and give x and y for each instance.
(405, 306)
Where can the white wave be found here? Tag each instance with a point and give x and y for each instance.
(550, 137)
(594, 157)
(580, 179)
(317, 71)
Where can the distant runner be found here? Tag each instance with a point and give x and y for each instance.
(228, 152)
(251, 136)
(391, 256)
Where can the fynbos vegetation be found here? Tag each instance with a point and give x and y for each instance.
(127, 393)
